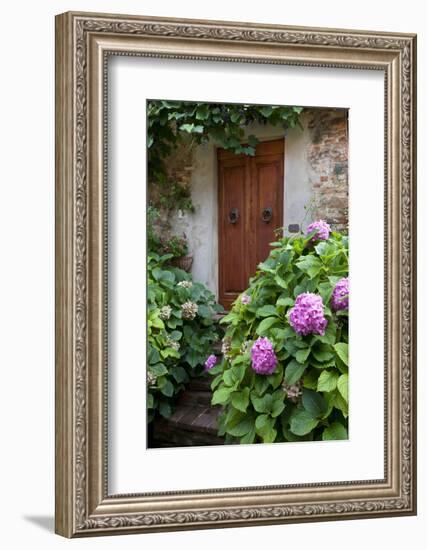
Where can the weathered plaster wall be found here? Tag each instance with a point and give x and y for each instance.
(314, 185)
(201, 228)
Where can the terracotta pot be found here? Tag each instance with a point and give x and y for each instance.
(183, 262)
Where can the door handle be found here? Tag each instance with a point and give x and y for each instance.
(233, 215)
(267, 214)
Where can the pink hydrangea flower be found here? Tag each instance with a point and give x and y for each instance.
(264, 360)
(210, 362)
(307, 315)
(323, 230)
(340, 294)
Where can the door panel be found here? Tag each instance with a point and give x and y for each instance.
(250, 209)
(232, 228)
(268, 211)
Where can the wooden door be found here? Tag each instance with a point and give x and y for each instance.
(250, 210)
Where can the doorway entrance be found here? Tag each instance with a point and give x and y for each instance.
(250, 206)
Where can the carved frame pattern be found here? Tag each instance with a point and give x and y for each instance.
(83, 506)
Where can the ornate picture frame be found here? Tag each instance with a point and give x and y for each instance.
(84, 42)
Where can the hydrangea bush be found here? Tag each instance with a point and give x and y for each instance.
(283, 375)
(181, 327)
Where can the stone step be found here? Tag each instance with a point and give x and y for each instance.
(194, 421)
(193, 398)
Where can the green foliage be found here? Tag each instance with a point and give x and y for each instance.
(175, 245)
(162, 244)
(172, 123)
(306, 397)
(176, 345)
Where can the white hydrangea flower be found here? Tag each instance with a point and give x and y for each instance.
(173, 344)
(165, 312)
(189, 310)
(185, 284)
(151, 378)
(293, 391)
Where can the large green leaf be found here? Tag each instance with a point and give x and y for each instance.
(322, 352)
(262, 404)
(221, 395)
(314, 403)
(302, 354)
(334, 432)
(158, 369)
(179, 374)
(202, 111)
(266, 324)
(278, 404)
(167, 388)
(301, 422)
(327, 380)
(294, 371)
(241, 428)
(266, 311)
(249, 437)
(342, 351)
(265, 428)
(342, 386)
(240, 399)
(310, 264)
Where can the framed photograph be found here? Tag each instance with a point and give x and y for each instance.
(235, 274)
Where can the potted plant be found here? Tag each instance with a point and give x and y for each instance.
(178, 247)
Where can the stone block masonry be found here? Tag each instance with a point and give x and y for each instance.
(327, 157)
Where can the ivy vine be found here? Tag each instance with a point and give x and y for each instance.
(175, 123)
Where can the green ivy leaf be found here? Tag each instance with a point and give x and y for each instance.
(266, 110)
(202, 111)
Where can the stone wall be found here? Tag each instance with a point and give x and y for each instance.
(327, 155)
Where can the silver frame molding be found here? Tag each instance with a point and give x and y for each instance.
(83, 43)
